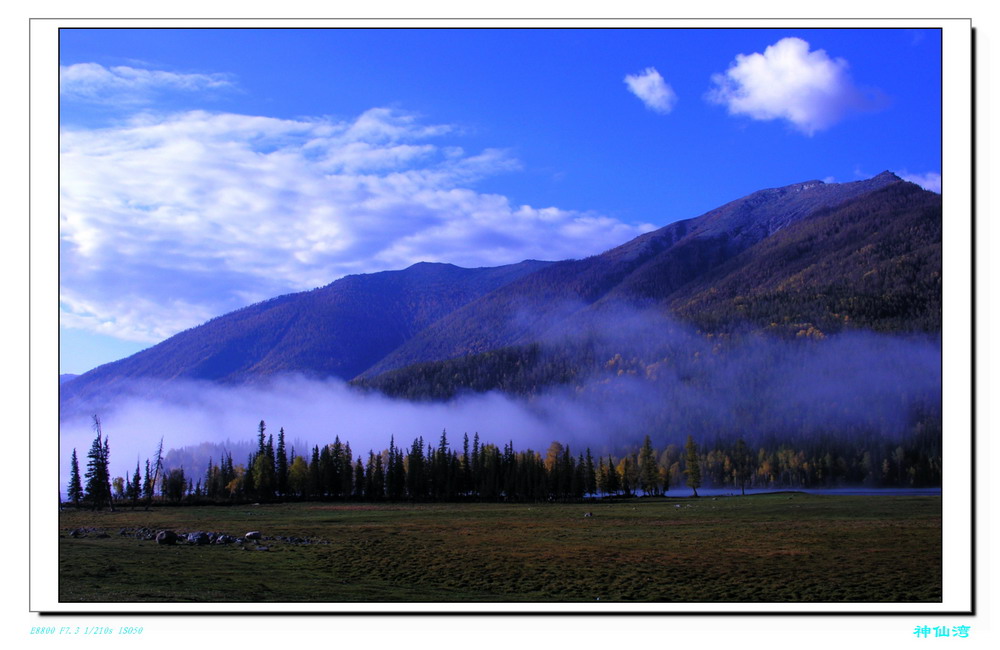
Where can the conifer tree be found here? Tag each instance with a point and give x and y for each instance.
(466, 482)
(136, 487)
(75, 490)
(649, 472)
(415, 477)
(153, 477)
(590, 476)
(98, 488)
(614, 481)
(391, 489)
(281, 470)
(359, 479)
(147, 485)
(329, 469)
(378, 479)
(346, 472)
(692, 469)
(249, 483)
(315, 488)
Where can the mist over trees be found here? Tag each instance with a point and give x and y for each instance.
(477, 470)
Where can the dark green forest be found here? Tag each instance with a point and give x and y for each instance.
(474, 470)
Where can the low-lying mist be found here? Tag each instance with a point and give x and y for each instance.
(653, 378)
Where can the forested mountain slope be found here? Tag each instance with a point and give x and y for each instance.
(805, 260)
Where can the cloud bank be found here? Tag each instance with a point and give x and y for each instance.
(654, 92)
(169, 220)
(851, 385)
(788, 81)
(929, 180)
(96, 84)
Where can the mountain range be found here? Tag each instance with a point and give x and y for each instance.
(805, 260)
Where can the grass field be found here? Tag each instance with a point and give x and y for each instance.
(765, 548)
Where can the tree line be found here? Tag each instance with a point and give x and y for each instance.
(475, 470)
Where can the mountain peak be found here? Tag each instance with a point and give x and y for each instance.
(430, 265)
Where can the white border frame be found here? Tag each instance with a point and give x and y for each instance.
(957, 326)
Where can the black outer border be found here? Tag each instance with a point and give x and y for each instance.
(973, 259)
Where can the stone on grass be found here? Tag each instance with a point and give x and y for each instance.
(167, 537)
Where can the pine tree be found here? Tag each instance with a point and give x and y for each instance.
(329, 470)
(589, 474)
(614, 480)
(249, 484)
(359, 480)
(649, 472)
(136, 485)
(378, 479)
(466, 482)
(415, 478)
(75, 490)
(693, 469)
(346, 472)
(315, 488)
(147, 485)
(157, 472)
(391, 489)
(282, 464)
(98, 488)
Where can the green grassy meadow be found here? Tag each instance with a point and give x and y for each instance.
(766, 548)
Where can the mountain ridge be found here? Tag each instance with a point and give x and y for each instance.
(364, 325)
(641, 272)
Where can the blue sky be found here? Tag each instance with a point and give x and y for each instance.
(203, 170)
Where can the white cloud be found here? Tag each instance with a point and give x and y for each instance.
(167, 221)
(929, 180)
(95, 83)
(654, 92)
(788, 81)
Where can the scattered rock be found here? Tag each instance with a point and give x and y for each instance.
(199, 538)
(167, 537)
(588, 514)
(254, 534)
(76, 532)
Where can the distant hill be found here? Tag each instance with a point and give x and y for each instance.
(335, 331)
(808, 259)
(63, 378)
